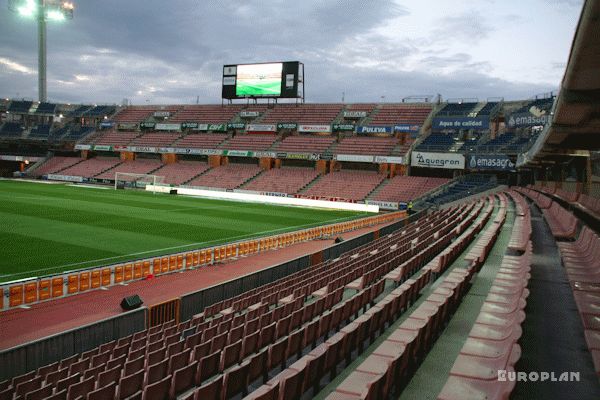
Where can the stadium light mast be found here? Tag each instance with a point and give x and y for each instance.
(42, 11)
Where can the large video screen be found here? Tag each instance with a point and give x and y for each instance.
(259, 80)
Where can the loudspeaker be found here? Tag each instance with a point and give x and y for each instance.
(173, 191)
(131, 302)
(338, 239)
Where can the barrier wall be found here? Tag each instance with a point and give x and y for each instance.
(35, 290)
(30, 356)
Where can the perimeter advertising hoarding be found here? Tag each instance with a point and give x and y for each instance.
(273, 80)
(525, 119)
(406, 128)
(498, 162)
(458, 123)
(437, 160)
(367, 130)
(314, 128)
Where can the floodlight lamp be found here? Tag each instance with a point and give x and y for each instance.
(54, 15)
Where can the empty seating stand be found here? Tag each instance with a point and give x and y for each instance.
(407, 188)
(581, 260)
(492, 344)
(562, 223)
(228, 176)
(55, 165)
(282, 180)
(349, 185)
(247, 338)
(181, 172)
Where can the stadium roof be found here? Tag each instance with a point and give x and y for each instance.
(575, 126)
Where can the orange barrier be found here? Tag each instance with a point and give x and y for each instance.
(44, 290)
(145, 268)
(164, 264)
(57, 287)
(16, 296)
(31, 292)
(72, 284)
(172, 263)
(179, 264)
(189, 257)
(137, 270)
(106, 272)
(84, 281)
(96, 279)
(118, 274)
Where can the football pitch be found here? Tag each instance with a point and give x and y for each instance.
(50, 228)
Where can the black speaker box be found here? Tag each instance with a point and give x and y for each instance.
(338, 239)
(131, 302)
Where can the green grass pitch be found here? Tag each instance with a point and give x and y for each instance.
(48, 228)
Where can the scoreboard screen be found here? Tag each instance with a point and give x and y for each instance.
(266, 80)
(258, 80)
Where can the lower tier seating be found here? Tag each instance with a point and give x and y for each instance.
(350, 185)
(282, 180)
(228, 176)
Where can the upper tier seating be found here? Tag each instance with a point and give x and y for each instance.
(366, 145)
(407, 188)
(302, 113)
(46, 108)
(11, 129)
(457, 109)
(55, 165)
(488, 108)
(180, 172)
(156, 139)
(305, 144)
(79, 111)
(137, 114)
(282, 180)
(39, 132)
(390, 114)
(92, 167)
(436, 142)
(207, 114)
(116, 138)
(250, 142)
(100, 111)
(349, 185)
(77, 132)
(19, 106)
(227, 176)
(201, 140)
(139, 166)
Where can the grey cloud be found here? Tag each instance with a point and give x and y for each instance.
(171, 52)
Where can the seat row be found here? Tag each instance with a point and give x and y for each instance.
(492, 342)
(164, 351)
(562, 223)
(392, 362)
(581, 260)
(491, 349)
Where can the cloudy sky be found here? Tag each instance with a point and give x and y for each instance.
(367, 49)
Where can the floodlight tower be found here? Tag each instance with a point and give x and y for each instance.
(42, 11)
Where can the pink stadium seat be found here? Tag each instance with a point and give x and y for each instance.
(349, 185)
